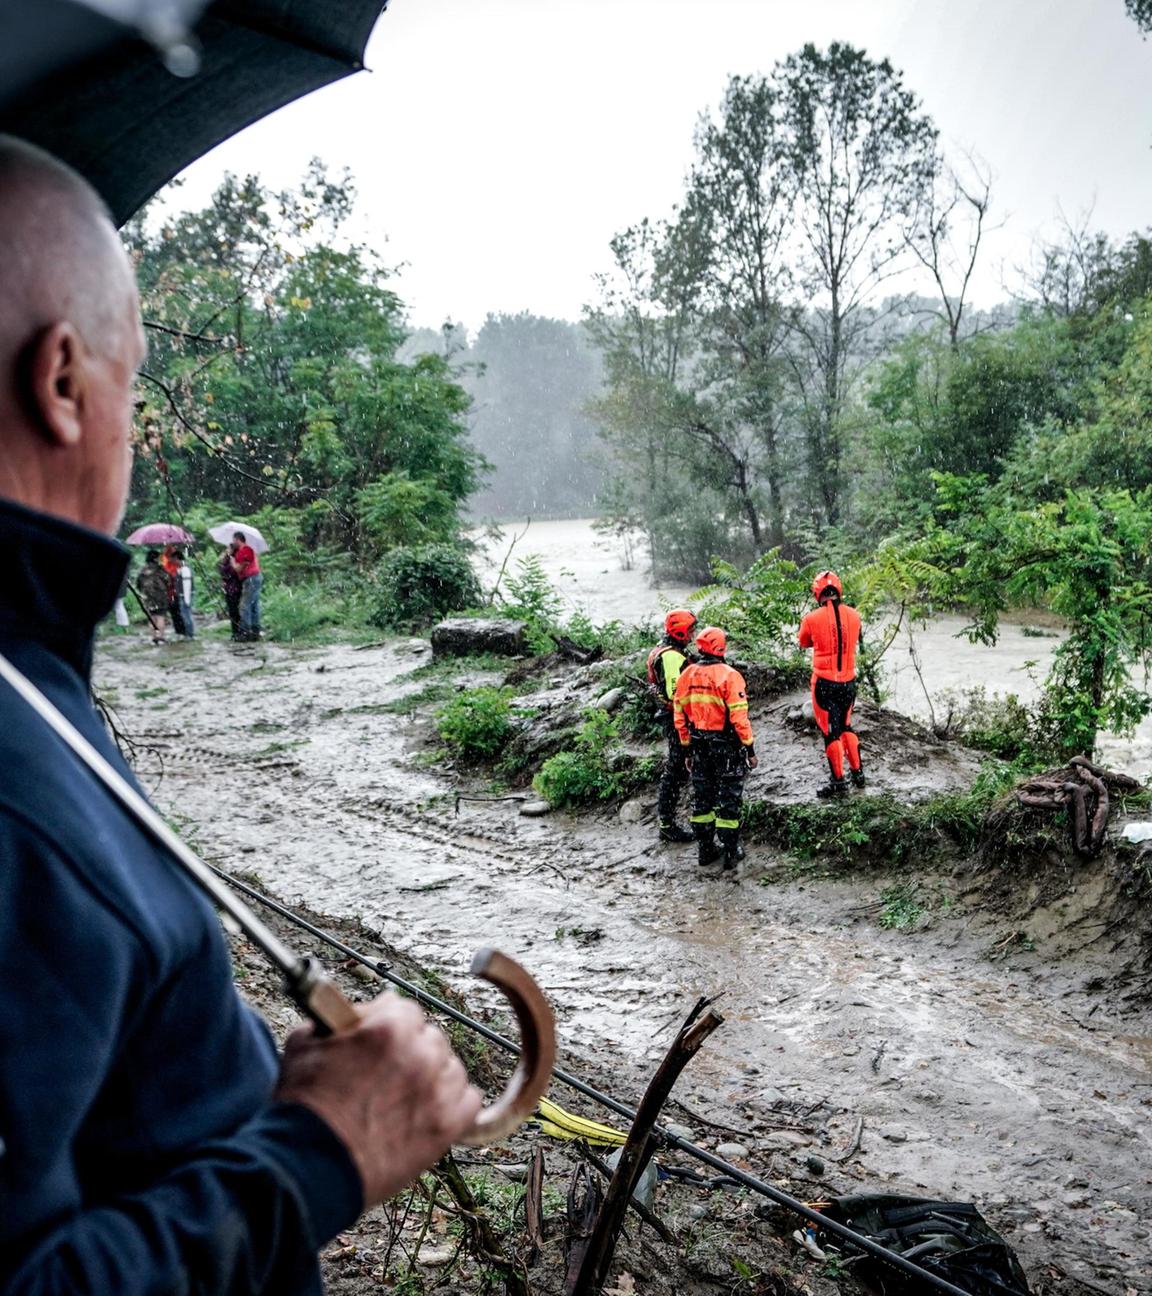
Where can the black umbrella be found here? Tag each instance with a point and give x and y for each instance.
(98, 96)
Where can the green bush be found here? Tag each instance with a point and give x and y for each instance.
(415, 585)
(1001, 726)
(595, 770)
(760, 607)
(477, 723)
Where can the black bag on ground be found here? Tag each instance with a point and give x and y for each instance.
(949, 1239)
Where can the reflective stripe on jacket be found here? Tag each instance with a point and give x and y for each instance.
(832, 631)
(665, 662)
(710, 698)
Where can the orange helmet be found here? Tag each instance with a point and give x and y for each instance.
(679, 624)
(713, 641)
(826, 580)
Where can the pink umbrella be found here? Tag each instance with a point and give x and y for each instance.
(159, 533)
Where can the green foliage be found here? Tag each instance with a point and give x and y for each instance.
(415, 585)
(1088, 557)
(760, 608)
(310, 611)
(900, 907)
(596, 769)
(1001, 726)
(273, 376)
(477, 723)
(882, 829)
(1140, 11)
(529, 596)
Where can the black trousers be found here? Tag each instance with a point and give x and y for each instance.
(674, 775)
(719, 767)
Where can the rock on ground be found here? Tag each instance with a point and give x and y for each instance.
(471, 637)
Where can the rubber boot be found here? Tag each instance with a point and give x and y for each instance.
(672, 832)
(707, 850)
(733, 851)
(857, 777)
(835, 787)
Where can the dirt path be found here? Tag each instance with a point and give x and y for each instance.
(976, 1079)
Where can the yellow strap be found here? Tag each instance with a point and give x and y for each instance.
(558, 1123)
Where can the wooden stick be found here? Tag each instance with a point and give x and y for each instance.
(653, 1220)
(637, 1151)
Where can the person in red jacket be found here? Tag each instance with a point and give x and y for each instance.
(710, 710)
(665, 662)
(833, 632)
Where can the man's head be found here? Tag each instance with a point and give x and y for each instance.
(70, 343)
(238, 539)
(152, 556)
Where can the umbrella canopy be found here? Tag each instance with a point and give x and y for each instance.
(223, 534)
(97, 95)
(160, 533)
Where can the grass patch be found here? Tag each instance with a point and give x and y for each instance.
(881, 829)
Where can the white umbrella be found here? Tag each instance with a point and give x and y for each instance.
(223, 534)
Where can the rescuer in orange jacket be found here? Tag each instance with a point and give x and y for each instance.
(665, 662)
(833, 632)
(710, 709)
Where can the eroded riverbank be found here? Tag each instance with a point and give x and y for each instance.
(980, 1075)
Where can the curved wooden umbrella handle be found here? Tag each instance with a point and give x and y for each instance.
(537, 1049)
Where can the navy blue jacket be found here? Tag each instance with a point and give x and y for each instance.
(142, 1152)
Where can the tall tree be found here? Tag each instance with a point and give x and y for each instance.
(946, 237)
(739, 204)
(861, 154)
(273, 375)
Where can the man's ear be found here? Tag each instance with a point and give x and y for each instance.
(55, 386)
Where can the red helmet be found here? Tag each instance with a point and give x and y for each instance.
(713, 641)
(826, 580)
(679, 624)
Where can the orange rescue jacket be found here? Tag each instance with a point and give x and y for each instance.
(710, 698)
(832, 631)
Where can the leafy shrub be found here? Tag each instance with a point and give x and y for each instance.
(417, 584)
(295, 613)
(761, 607)
(595, 770)
(477, 723)
(530, 597)
(1002, 726)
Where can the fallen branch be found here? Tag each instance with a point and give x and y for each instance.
(479, 1228)
(853, 1144)
(653, 1221)
(637, 1151)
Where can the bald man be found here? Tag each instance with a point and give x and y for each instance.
(150, 1141)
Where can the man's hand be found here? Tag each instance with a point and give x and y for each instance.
(753, 760)
(391, 1089)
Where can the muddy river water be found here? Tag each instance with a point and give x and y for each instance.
(977, 1076)
(592, 573)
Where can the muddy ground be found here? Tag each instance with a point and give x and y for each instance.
(983, 1066)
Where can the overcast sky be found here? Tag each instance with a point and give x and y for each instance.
(498, 144)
